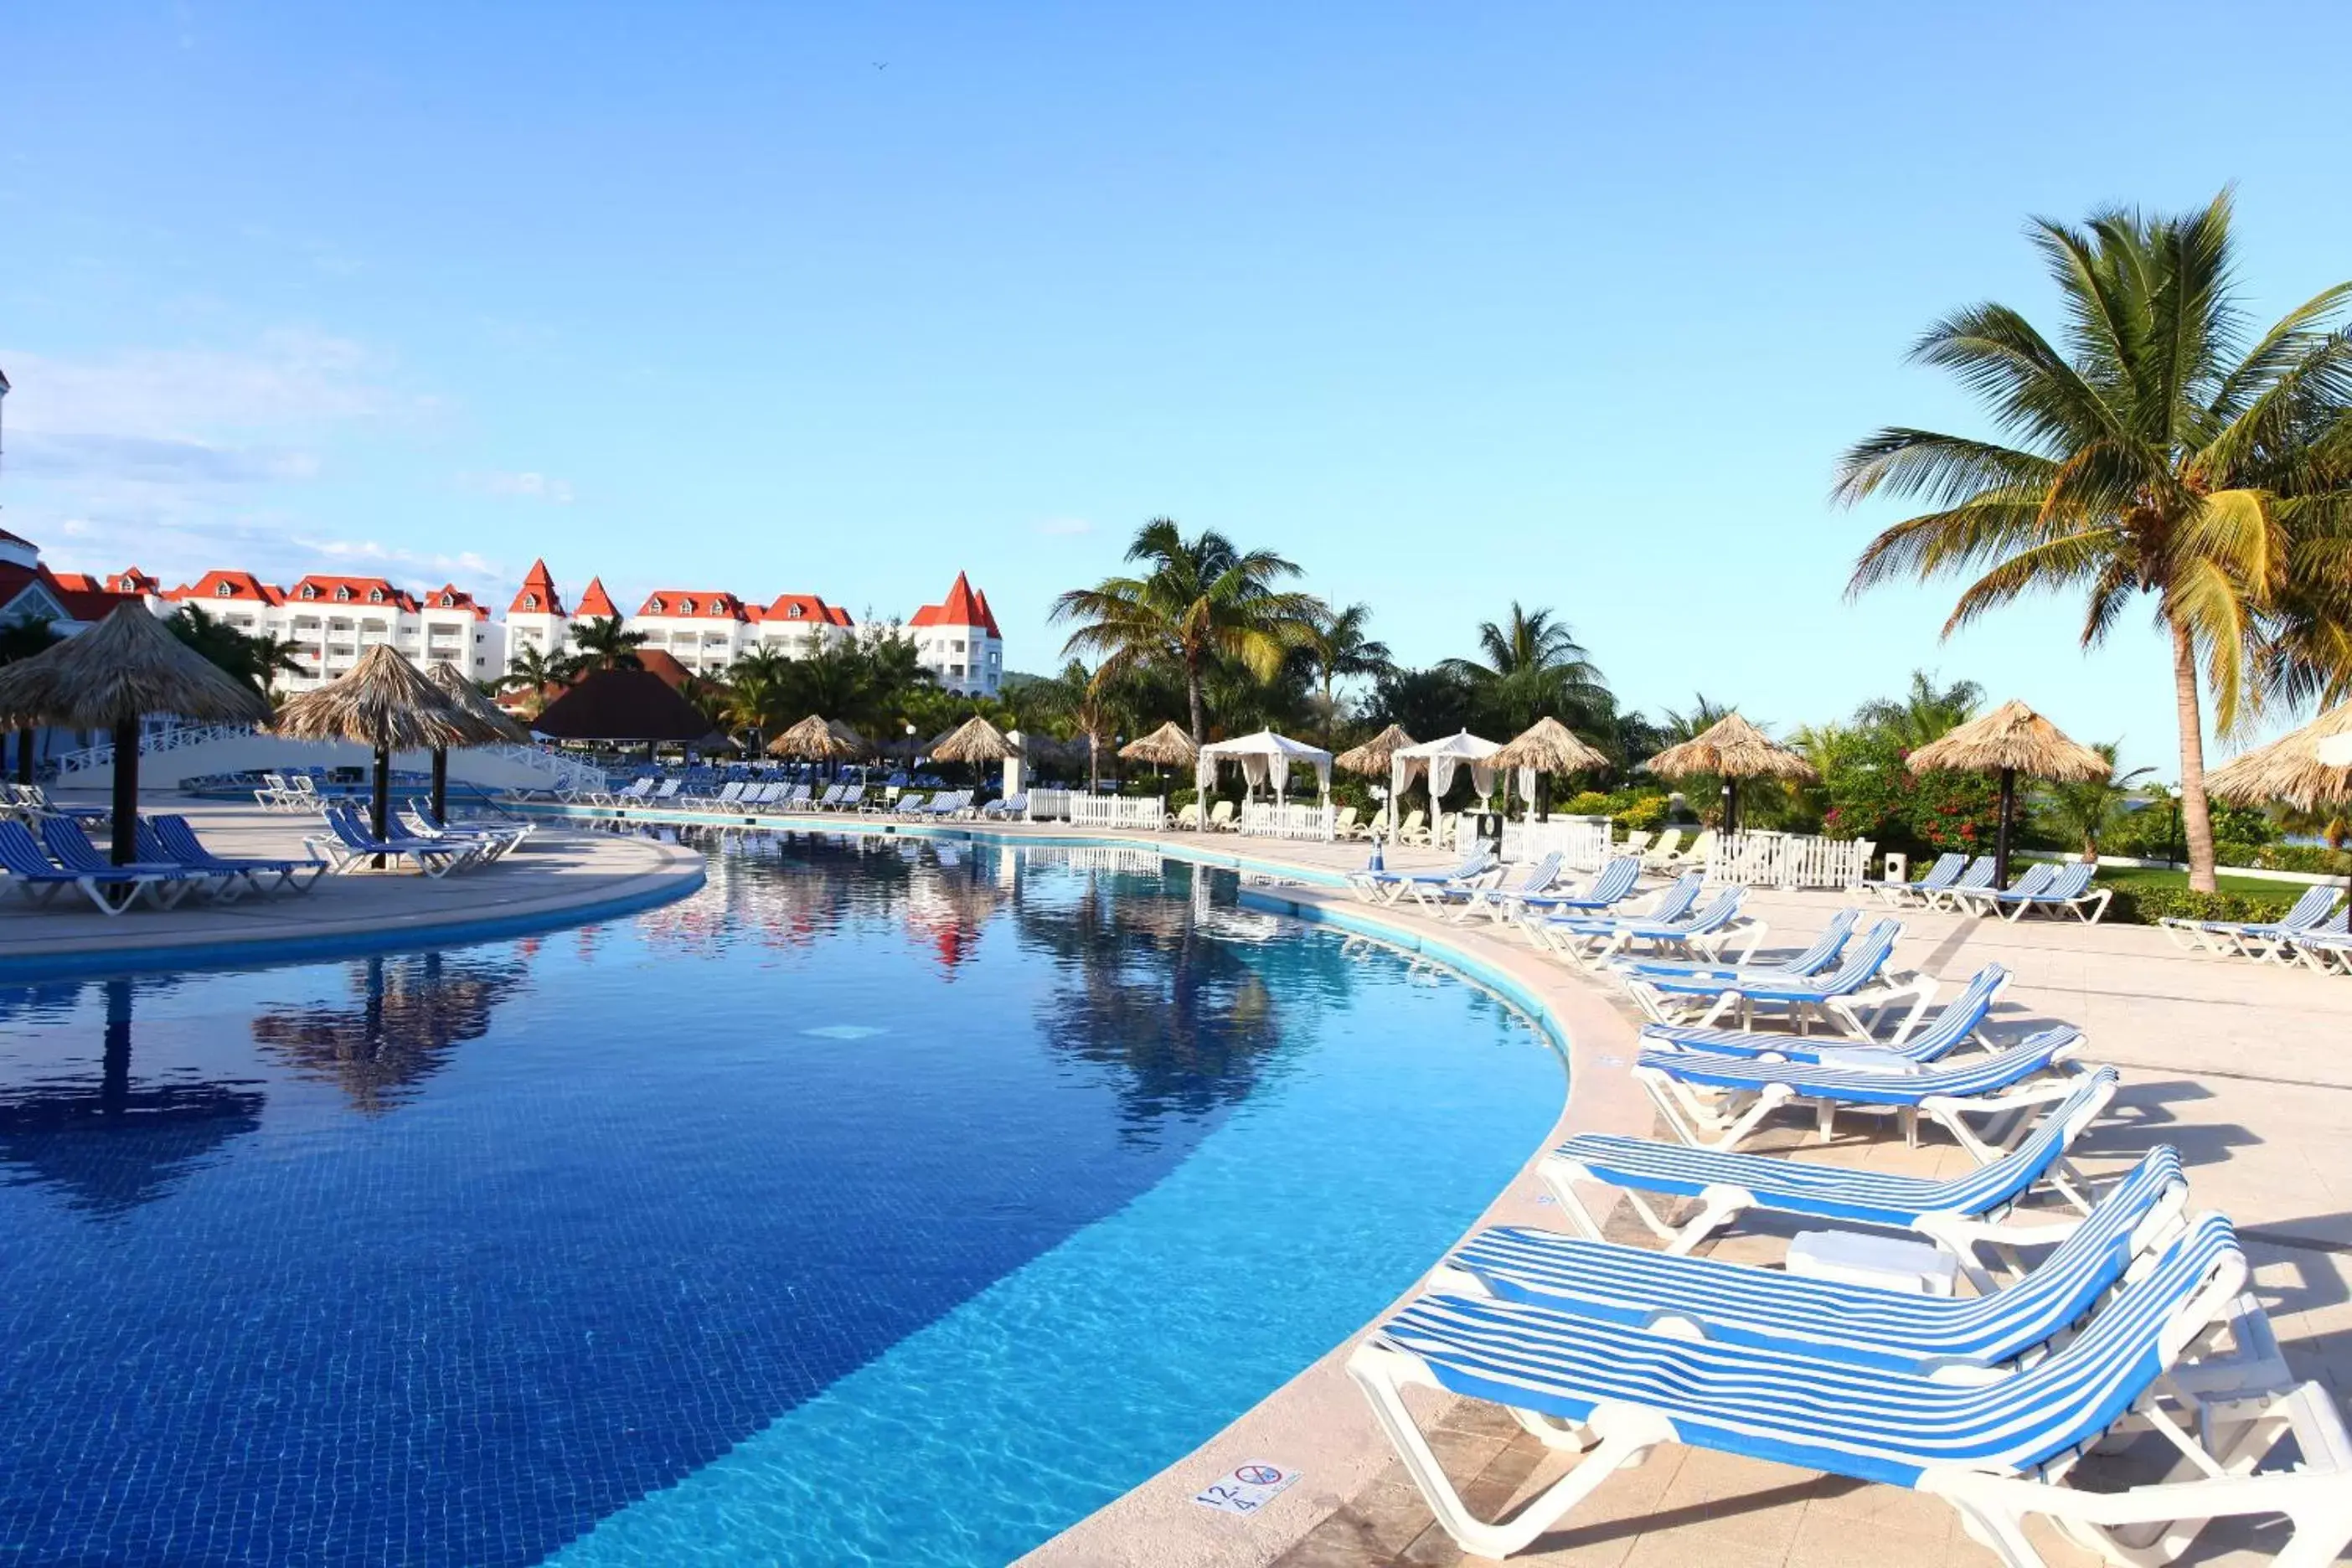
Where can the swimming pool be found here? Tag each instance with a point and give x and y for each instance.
(887, 1201)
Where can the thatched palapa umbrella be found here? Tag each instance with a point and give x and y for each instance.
(112, 676)
(1549, 747)
(1169, 746)
(2306, 768)
(1374, 759)
(813, 740)
(384, 704)
(2010, 739)
(490, 723)
(977, 742)
(1731, 749)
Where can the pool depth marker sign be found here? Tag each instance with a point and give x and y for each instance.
(1249, 1489)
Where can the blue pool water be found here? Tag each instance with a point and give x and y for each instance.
(885, 1202)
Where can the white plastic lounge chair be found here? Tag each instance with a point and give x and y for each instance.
(1957, 1023)
(1718, 1102)
(273, 794)
(1977, 876)
(1981, 900)
(1187, 817)
(1998, 1450)
(911, 804)
(1660, 855)
(1415, 829)
(168, 881)
(1221, 818)
(1611, 885)
(1822, 955)
(1634, 843)
(1856, 1324)
(1386, 887)
(1941, 875)
(2233, 936)
(113, 890)
(176, 837)
(2067, 891)
(1492, 899)
(1835, 997)
(347, 845)
(1956, 1213)
(1590, 941)
(493, 838)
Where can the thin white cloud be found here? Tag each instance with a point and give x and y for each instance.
(288, 377)
(525, 486)
(1065, 527)
(150, 459)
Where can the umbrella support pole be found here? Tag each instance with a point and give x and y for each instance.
(380, 805)
(2001, 831)
(440, 783)
(126, 790)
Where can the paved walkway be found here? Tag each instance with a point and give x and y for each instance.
(560, 873)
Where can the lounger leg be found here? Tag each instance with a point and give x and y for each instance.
(1378, 1371)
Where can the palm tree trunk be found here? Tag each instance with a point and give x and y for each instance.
(1193, 697)
(2196, 814)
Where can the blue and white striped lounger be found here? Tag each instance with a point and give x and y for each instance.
(1953, 1211)
(1956, 1023)
(1611, 887)
(1857, 1324)
(1999, 1449)
(1717, 1102)
(1494, 902)
(1594, 939)
(1837, 997)
(1941, 875)
(1385, 887)
(2067, 890)
(1824, 952)
(2253, 938)
(1978, 875)
(1981, 900)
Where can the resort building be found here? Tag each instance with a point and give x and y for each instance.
(29, 590)
(958, 641)
(331, 620)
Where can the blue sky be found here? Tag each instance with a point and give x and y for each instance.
(1452, 305)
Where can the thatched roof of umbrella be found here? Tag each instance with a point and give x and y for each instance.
(813, 741)
(126, 666)
(1373, 756)
(1169, 746)
(1549, 746)
(975, 741)
(2012, 738)
(1731, 748)
(2289, 768)
(490, 721)
(384, 703)
(858, 745)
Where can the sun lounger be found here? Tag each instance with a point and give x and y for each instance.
(176, 838)
(1594, 939)
(1956, 1212)
(1386, 887)
(1718, 1102)
(112, 889)
(2233, 936)
(1956, 1023)
(1221, 818)
(495, 838)
(1821, 956)
(1835, 997)
(1662, 855)
(1611, 885)
(1474, 898)
(1978, 877)
(1982, 901)
(1941, 875)
(347, 845)
(1856, 1324)
(911, 804)
(2067, 890)
(69, 845)
(1999, 1449)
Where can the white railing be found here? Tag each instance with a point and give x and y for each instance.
(1768, 860)
(177, 738)
(1050, 805)
(1269, 819)
(1095, 858)
(1118, 811)
(1582, 842)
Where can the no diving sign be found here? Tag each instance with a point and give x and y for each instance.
(1249, 1489)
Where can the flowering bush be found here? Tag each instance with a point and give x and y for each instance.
(1873, 794)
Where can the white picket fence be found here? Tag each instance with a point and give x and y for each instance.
(1272, 819)
(1767, 860)
(1149, 813)
(1050, 805)
(1581, 842)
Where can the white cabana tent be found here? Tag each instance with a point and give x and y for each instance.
(1439, 759)
(1262, 757)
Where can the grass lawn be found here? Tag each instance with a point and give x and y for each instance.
(2159, 876)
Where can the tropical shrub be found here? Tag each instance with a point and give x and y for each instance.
(2145, 905)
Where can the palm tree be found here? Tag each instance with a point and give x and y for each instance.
(758, 692)
(2083, 812)
(1201, 599)
(1338, 648)
(530, 670)
(256, 660)
(604, 644)
(1925, 713)
(1534, 669)
(1076, 704)
(2156, 451)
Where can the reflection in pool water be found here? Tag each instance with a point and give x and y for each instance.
(885, 1201)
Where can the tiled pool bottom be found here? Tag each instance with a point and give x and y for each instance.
(867, 1207)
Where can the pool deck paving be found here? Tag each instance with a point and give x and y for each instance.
(2242, 1067)
(563, 874)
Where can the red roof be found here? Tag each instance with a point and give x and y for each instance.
(963, 608)
(693, 603)
(77, 592)
(839, 616)
(77, 583)
(323, 589)
(987, 615)
(807, 609)
(596, 603)
(243, 587)
(538, 596)
(449, 596)
(131, 580)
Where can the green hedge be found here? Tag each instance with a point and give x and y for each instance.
(2147, 905)
(2317, 859)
